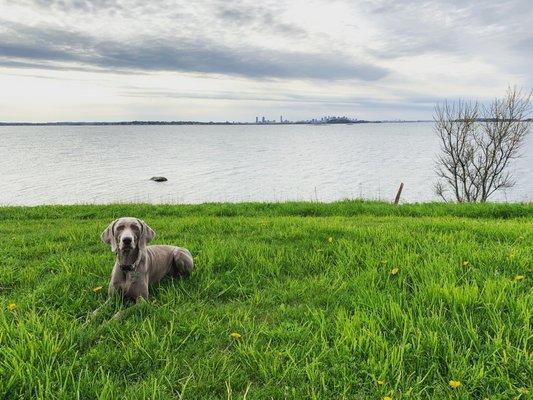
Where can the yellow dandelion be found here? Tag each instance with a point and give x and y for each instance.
(394, 271)
(11, 306)
(465, 263)
(330, 239)
(380, 382)
(387, 398)
(519, 277)
(235, 335)
(454, 384)
(97, 289)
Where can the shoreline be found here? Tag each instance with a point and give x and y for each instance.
(67, 123)
(345, 208)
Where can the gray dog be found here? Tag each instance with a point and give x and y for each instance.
(137, 265)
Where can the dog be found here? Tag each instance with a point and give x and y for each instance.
(137, 265)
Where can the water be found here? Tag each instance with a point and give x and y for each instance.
(103, 164)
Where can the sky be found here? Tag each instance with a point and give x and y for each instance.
(218, 60)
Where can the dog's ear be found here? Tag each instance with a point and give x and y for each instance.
(108, 236)
(147, 233)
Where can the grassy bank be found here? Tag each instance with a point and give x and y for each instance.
(345, 300)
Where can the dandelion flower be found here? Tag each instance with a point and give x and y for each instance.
(519, 277)
(454, 384)
(380, 382)
(235, 335)
(11, 306)
(387, 398)
(394, 271)
(97, 289)
(330, 239)
(465, 263)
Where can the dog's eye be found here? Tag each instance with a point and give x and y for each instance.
(120, 228)
(135, 228)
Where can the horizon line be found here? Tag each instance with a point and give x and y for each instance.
(192, 122)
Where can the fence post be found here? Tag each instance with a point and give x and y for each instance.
(397, 199)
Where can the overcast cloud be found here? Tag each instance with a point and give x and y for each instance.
(224, 60)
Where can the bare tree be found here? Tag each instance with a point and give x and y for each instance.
(477, 145)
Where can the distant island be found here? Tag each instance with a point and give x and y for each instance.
(262, 121)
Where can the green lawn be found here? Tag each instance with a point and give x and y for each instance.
(308, 287)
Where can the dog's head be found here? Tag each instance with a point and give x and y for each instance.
(126, 234)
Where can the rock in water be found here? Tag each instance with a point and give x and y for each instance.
(158, 179)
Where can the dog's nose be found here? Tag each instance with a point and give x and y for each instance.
(126, 240)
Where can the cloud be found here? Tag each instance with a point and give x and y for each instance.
(70, 5)
(32, 52)
(259, 18)
(464, 28)
(183, 55)
(524, 45)
(405, 101)
(216, 59)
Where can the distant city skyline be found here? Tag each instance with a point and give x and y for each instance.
(216, 60)
(262, 121)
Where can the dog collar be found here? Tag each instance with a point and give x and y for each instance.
(130, 267)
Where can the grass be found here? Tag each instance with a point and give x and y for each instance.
(306, 289)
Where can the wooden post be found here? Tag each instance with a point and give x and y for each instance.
(397, 199)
